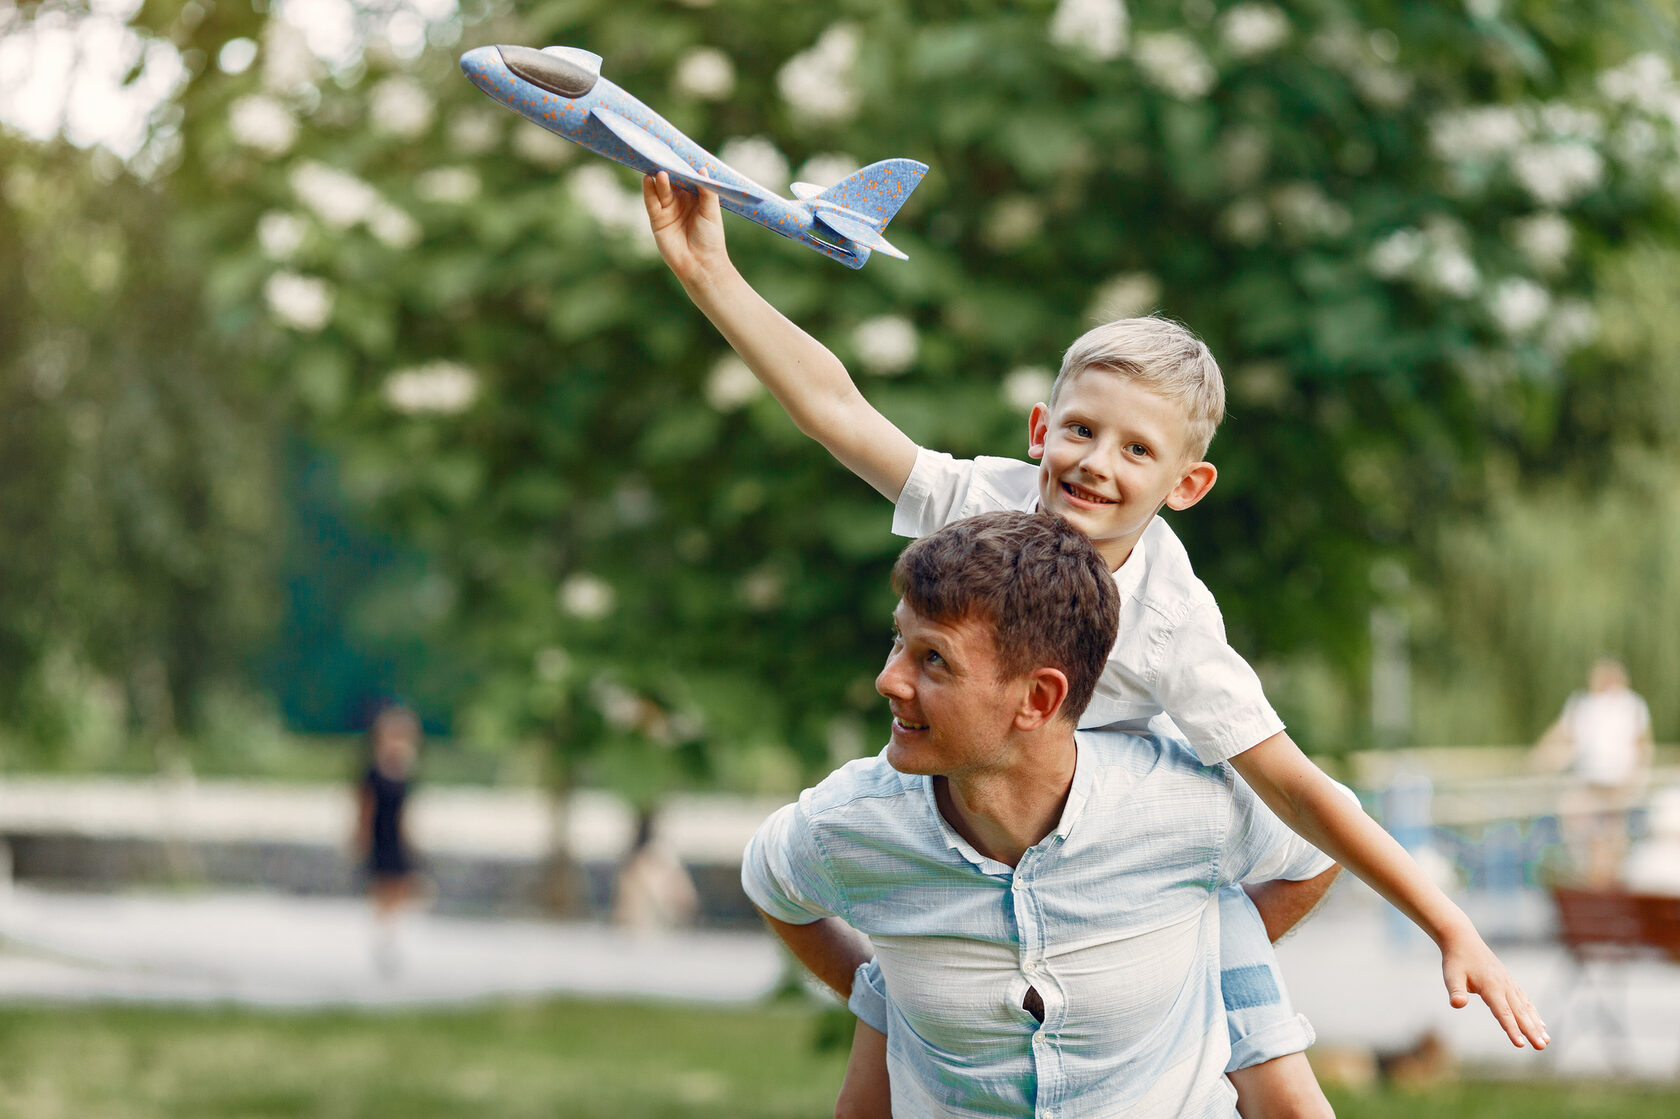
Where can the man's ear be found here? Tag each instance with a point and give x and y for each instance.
(1038, 426)
(1195, 484)
(1046, 689)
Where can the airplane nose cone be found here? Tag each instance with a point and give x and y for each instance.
(480, 63)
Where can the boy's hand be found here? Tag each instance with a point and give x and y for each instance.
(1470, 967)
(687, 227)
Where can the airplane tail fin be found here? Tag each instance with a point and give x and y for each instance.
(858, 207)
(876, 192)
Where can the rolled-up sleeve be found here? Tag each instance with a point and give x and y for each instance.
(783, 873)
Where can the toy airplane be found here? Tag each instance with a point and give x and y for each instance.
(561, 88)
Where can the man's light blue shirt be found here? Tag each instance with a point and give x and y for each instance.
(1112, 918)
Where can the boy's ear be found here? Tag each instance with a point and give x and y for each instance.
(1195, 484)
(1038, 426)
(1041, 700)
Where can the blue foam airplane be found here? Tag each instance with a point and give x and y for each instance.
(561, 88)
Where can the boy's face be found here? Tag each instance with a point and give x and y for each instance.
(1112, 452)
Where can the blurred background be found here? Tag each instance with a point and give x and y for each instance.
(327, 384)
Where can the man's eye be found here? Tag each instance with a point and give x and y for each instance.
(934, 658)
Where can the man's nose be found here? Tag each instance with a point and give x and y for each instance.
(889, 682)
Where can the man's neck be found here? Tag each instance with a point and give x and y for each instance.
(1004, 812)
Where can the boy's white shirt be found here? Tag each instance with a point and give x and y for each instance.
(1170, 661)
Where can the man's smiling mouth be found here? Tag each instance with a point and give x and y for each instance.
(1083, 494)
(906, 724)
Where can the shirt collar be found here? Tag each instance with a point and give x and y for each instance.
(1080, 792)
(1130, 574)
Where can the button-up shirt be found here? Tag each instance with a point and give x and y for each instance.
(1111, 918)
(1170, 656)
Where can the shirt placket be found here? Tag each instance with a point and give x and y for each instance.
(1047, 1054)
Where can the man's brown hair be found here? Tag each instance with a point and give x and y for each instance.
(1038, 582)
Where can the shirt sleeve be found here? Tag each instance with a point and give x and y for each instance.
(1261, 848)
(783, 872)
(933, 495)
(1212, 694)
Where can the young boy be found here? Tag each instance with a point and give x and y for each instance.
(1123, 434)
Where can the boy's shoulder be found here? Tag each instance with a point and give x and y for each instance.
(1166, 580)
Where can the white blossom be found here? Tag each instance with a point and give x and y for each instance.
(439, 388)
(1126, 296)
(705, 74)
(1252, 29)
(392, 227)
(761, 588)
(551, 665)
(400, 106)
(337, 197)
(731, 385)
(538, 145)
(1562, 119)
(622, 708)
(886, 345)
(1398, 253)
(1453, 272)
(1482, 132)
(452, 185)
(1174, 64)
(260, 122)
(280, 234)
(585, 596)
(1305, 210)
(827, 168)
(301, 302)
(1556, 174)
(1097, 28)
(1243, 154)
(1644, 81)
(475, 132)
(1545, 239)
(1518, 304)
(758, 158)
(1571, 325)
(818, 83)
(1026, 386)
(288, 63)
(1384, 86)
(236, 56)
(600, 194)
(1636, 141)
(1246, 221)
(1013, 221)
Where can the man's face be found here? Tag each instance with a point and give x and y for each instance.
(1111, 453)
(951, 713)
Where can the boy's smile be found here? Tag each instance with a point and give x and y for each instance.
(1112, 451)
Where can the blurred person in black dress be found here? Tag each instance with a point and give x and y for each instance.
(393, 743)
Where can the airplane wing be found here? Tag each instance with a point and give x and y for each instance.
(858, 231)
(663, 156)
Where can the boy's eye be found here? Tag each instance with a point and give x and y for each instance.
(1138, 449)
(1080, 430)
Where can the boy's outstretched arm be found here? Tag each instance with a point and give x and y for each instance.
(1311, 804)
(800, 372)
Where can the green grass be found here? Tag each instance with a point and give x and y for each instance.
(575, 1060)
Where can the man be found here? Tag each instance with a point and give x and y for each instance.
(1042, 901)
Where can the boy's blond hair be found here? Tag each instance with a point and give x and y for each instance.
(1162, 356)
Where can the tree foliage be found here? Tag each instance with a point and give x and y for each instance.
(1388, 221)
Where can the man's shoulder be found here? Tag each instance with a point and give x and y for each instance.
(1147, 751)
(861, 786)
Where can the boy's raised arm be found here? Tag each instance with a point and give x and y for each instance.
(1310, 803)
(800, 372)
